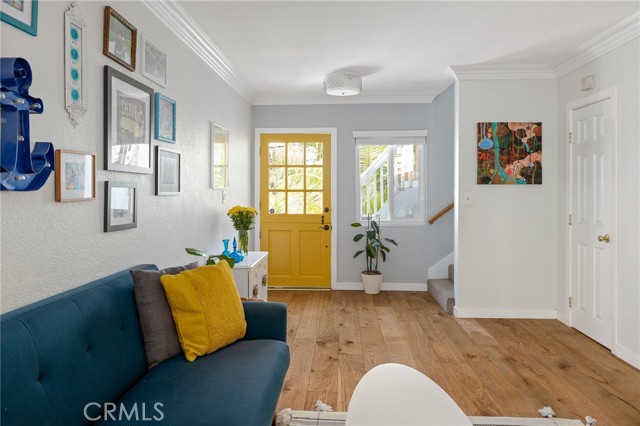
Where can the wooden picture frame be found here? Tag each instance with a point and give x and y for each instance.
(21, 14)
(75, 176)
(128, 108)
(168, 167)
(120, 206)
(75, 65)
(119, 39)
(165, 118)
(154, 63)
(219, 157)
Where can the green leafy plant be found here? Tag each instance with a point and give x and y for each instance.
(374, 247)
(211, 258)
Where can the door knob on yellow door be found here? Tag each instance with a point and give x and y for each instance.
(325, 227)
(603, 238)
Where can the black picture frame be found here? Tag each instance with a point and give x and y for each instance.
(125, 196)
(128, 117)
(168, 168)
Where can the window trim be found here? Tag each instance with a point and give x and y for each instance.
(393, 137)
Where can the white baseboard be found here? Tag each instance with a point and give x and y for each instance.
(627, 355)
(563, 317)
(441, 268)
(385, 286)
(505, 313)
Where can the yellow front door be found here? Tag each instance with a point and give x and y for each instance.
(295, 208)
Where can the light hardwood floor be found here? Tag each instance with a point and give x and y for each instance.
(489, 367)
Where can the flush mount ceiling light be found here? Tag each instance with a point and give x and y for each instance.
(343, 83)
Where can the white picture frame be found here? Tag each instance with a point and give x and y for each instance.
(154, 63)
(75, 64)
(168, 165)
(121, 206)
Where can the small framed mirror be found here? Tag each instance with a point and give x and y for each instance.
(219, 157)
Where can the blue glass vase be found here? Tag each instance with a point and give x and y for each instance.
(236, 255)
(226, 251)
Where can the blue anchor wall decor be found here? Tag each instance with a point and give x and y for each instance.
(21, 169)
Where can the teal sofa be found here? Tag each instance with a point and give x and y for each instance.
(77, 358)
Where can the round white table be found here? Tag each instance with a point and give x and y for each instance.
(397, 395)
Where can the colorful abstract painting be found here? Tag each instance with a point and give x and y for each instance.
(510, 153)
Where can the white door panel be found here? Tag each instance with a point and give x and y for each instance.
(592, 207)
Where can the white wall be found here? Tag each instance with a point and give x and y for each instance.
(618, 69)
(506, 240)
(419, 246)
(48, 247)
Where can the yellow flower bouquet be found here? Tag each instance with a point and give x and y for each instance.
(242, 218)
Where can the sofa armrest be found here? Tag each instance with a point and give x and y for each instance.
(265, 320)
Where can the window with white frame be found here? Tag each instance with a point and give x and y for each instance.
(391, 176)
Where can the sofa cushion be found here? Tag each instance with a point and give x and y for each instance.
(63, 352)
(157, 326)
(242, 381)
(206, 309)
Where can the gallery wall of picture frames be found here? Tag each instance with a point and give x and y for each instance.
(134, 114)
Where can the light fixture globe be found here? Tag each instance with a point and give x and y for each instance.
(343, 83)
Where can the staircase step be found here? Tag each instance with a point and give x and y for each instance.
(442, 292)
(451, 274)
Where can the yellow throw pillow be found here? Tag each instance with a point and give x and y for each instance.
(206, 308)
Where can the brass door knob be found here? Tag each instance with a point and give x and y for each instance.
(603, 238)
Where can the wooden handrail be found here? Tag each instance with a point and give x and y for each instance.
(440, 214)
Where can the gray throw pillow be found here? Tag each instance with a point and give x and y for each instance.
(156, 323)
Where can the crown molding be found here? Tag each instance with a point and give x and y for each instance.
(337, 100)
(621, 33)
(181, 23)
(502, 72)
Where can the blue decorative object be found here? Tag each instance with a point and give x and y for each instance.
(21, 169)
(236, 255)
(165, 119)
(226, 251)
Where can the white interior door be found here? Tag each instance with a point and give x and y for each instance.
(593, 233)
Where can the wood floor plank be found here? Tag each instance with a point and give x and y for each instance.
(350, 341)
(295, 310)
(350, 371)
(294, 389)
(388, 322)
(489, 367)
(466, 389)
(399, 351)
(323, 376)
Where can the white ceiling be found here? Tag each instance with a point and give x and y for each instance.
(283, 49)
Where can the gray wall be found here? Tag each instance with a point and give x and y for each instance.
(419, 246)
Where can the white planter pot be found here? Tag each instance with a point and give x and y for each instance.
(372, 283)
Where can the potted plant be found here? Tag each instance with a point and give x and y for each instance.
(211, 258)
(374, 250)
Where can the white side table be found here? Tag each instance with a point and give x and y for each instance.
(394, 394)
(251, 275)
